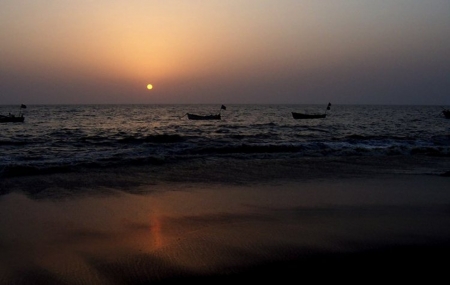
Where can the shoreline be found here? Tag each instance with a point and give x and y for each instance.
(227, 220)
(227, 171)
(382, 226)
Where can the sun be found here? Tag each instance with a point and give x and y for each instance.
(149, 86)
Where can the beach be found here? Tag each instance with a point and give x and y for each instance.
(374, 221)
(220, 142)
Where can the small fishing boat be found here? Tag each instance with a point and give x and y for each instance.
(446, 113)
(307, 116)
(298, 116)
(203, 117)
(206, 117)
(11, 119)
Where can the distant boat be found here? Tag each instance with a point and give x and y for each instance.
(298, 116)
(206, 117)
(11, 119)
(307, 116)
(446, 113)
(201, 117)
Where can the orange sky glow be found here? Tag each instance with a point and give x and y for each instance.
(224, 51)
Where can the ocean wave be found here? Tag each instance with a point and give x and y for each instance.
(31, 169)
(248, 149)
(314, 149)
(242, 153)
(164, 138)
(13, 142)
(27, 170)
(102, 136)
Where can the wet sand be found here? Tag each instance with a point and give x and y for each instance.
(393, 228)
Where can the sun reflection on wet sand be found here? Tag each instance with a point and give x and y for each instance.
(188, 230)
(156, 232)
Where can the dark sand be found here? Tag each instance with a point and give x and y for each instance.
(393, 228)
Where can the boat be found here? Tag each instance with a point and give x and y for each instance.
(11, 119)
(203, 117)
(301, 116)
(307, 116)
(206, 117)
(446, 113)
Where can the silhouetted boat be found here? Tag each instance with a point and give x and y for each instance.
(298, 116)
(203, 117)
(446, 113)
(11, 119)
(308, 116)
(206, 117)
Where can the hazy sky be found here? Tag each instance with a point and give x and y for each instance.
(225, 51)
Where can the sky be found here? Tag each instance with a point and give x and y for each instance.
(225, 52)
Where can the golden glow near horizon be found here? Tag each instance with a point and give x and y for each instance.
(149, 86)
(201, 51)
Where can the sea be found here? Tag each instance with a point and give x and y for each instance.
(250, 138)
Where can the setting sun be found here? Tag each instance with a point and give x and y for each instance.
(149, 86)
